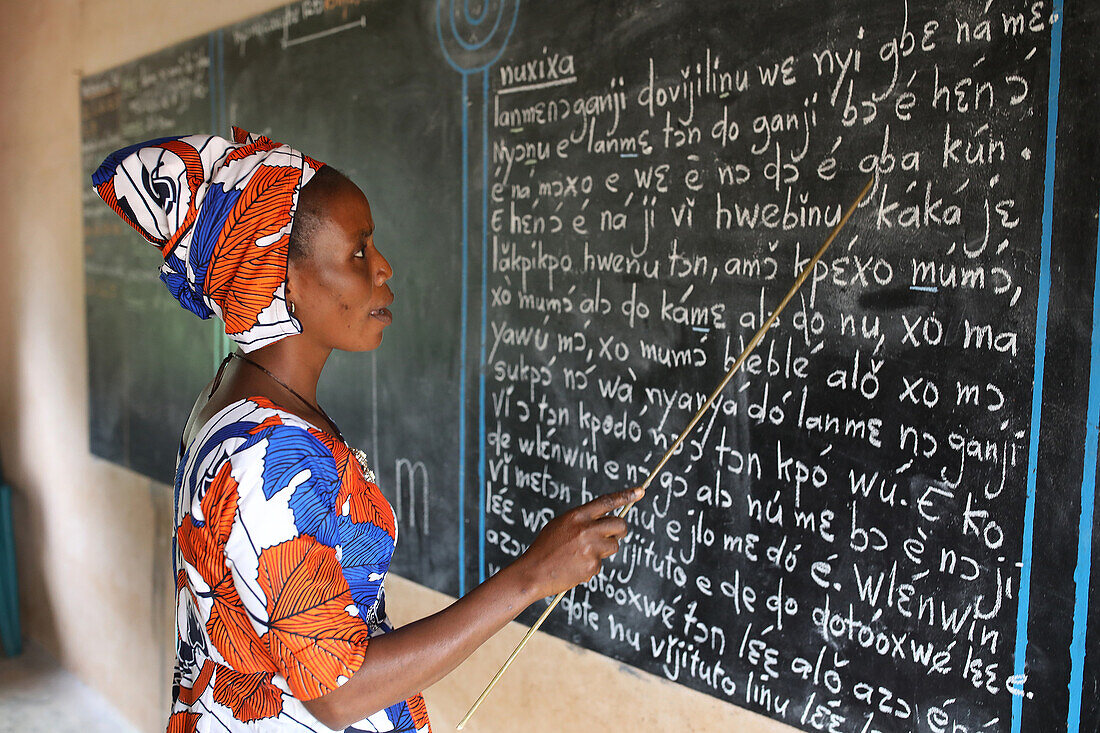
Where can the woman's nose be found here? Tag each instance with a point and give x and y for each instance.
(383, 271)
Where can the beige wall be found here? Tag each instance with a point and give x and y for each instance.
(93, 539)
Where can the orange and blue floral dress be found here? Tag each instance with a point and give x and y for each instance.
(281, 549)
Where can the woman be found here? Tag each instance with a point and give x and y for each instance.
(282, 538)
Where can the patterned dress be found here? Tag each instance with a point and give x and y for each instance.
(281, 551)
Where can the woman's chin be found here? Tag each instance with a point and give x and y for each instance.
(369, 342)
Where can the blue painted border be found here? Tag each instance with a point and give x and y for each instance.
(465, 73)
(1020, 653)
(1084, 528)
(484, 321)
(462, 362)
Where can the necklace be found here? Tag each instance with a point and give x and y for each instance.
(360, 456)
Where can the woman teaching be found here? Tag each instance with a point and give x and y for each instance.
(282, 539)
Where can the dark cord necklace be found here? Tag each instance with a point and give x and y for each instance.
(360, 456)
(293, 392)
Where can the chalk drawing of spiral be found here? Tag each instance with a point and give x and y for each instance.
(473, 33)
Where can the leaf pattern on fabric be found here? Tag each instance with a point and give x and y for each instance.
(202, 543)
(262, 144)
(231, 631)
(196, 482)
(203, 548)
(295, 455)
(419, 711)
(249, 696)
(182, 289)
(189, 695)
(195, 175)
(365, 546)
(401, 717)
(269, 421)
(193, 649)
(358, 518)
(183, 722)
(365, 500)
(365, 503)
(174, 192)
(311, 635)
(324, 600)
(243, 276)
(291, 450)
(106, 191)
(108, 167)
(216, 206)
(313, 514)
(104, 182)
(365, 591)
(192, 162)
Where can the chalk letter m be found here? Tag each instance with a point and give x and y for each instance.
(412, 476)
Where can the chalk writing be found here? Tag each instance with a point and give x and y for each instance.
(842, 521)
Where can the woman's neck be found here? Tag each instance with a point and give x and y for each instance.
(295, 362)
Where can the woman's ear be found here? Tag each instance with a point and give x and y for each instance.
(288, 290)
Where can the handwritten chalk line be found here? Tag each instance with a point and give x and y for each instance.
(925, 288)
(361, 23)
(538, 85)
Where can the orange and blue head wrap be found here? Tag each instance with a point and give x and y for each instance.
(221, 213)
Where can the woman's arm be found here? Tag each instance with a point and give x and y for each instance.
(403, 662)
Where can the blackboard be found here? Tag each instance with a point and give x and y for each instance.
(886, 522)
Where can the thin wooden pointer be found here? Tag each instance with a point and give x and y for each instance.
(698, 415)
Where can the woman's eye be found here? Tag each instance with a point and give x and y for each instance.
(361, 253)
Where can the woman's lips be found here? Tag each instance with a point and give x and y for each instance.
(382, 314)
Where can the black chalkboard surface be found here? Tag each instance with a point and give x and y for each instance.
(885, 524)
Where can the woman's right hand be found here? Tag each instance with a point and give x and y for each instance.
(396, 665)
(569, 549)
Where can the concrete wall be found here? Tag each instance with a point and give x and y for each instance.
(94, 539)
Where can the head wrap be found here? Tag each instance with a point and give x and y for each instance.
(221, 214)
